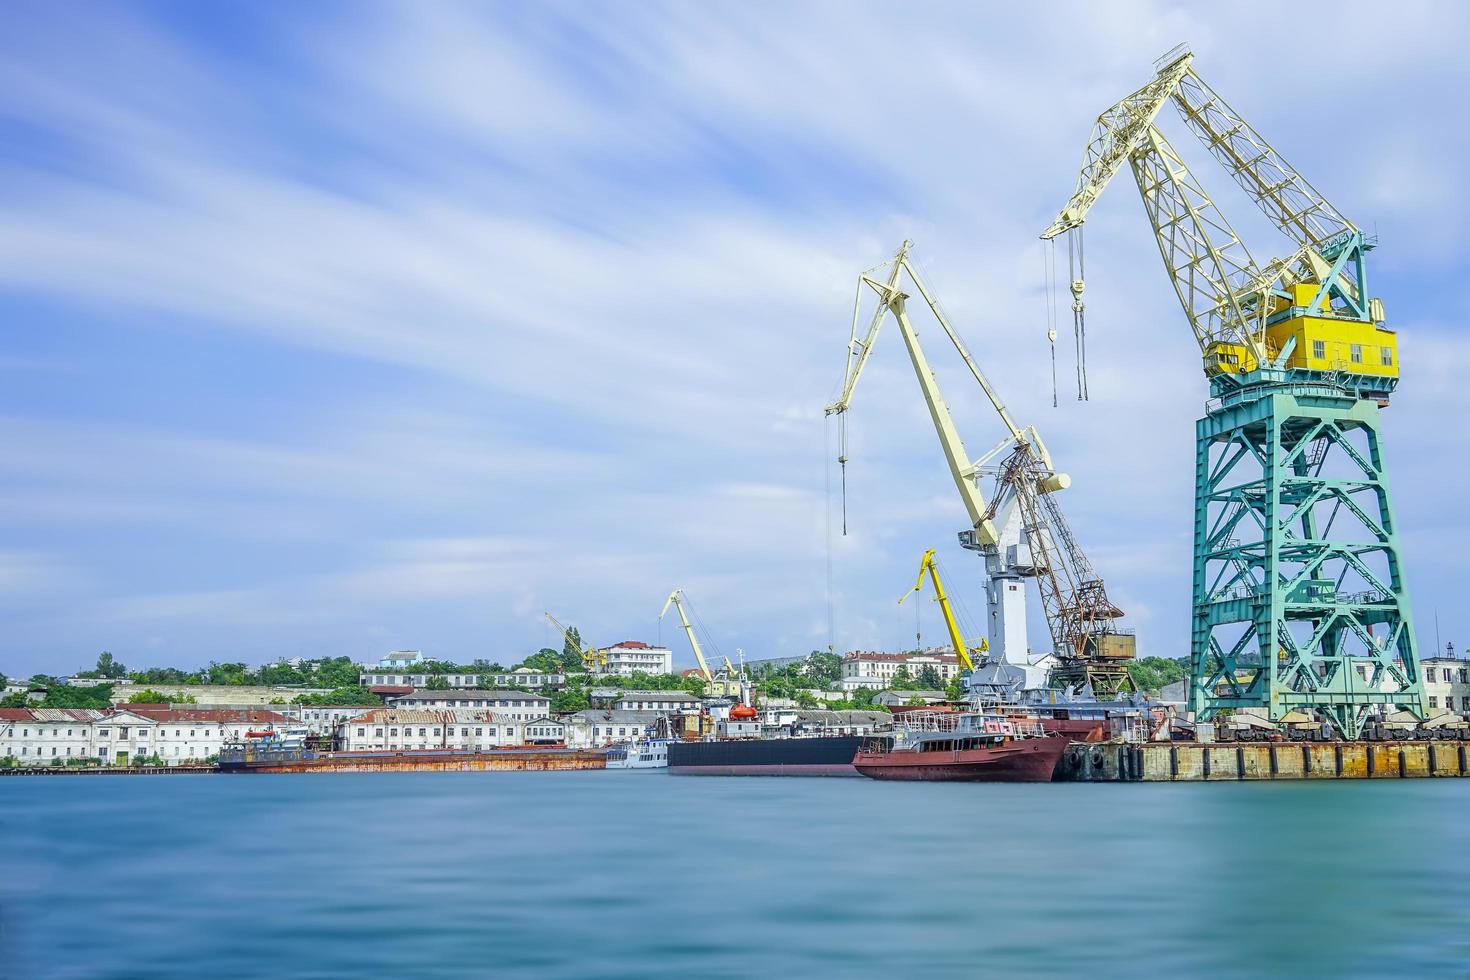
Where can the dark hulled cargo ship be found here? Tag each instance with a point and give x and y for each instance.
(827, 755)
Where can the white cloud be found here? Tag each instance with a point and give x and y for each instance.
(611, 279)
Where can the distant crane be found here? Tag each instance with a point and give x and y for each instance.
(727, 682)
(1299, 600)
(592, 657)
(1022, 532)
(956, 638)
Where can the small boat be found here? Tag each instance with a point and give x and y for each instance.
(641, 753)
(975, 746)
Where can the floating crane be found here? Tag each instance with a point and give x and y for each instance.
(1299, 599)
(592, 657)
(956, 638)
(1021, 532)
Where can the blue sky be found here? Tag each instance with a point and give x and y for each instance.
(335, 328)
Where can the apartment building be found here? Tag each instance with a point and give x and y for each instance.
(523, 677)
(517, 706)
(634, 657)
(866, 668)
(420, 728)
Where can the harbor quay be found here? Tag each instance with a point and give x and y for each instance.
(1196, 762)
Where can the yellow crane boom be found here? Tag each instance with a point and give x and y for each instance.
(592, 657)
(928, 564)
(676, 600)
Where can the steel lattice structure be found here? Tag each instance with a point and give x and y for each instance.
(1299, 596)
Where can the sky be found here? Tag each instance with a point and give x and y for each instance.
(330, 329)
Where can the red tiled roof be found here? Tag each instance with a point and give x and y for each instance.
(162, 712)
(631, 645)
(15, 714)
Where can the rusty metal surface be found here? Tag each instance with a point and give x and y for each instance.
(506, 761)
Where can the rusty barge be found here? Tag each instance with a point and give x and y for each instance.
(268, 758)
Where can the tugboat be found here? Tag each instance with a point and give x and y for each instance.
(974, 746)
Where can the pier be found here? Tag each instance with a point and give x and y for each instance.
(1188, 762)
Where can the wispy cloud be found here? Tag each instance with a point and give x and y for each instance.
(398, 324)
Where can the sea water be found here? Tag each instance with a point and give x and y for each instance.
(645, 874)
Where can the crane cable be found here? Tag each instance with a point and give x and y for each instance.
(827, 473)
(1049, 287)
(1075, 269)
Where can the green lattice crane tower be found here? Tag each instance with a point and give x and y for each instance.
(1299, 599)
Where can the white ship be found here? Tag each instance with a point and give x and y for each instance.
(641, 753)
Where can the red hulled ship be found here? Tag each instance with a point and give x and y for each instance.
(973, 746)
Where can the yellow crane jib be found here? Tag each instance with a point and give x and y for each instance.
(676, 599)
(1308, 311)
(592, 657)
(929, 565)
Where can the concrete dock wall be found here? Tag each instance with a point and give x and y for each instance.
(1196, 762)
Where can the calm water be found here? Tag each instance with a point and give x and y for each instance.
(645, 874)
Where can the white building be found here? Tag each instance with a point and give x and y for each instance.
(38, 735)
(877, 670)
(184, 733)
(662, 701)
(401, 660)
(122, 736)
(323, 719)
(419, 728)
(633, 656)
(1446, 685)
(520, 677)
(596, 727)
(518, 706)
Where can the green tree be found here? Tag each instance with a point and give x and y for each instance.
(804, 699)
(16, 700)
(107, 668)
(954, 690)
(1153, 674)
(547, 661)
(438, 683)
(902, 679)
(862, 697)
(822, 668)
(355, 695)
(66, 696)
(569, 700)
(150, 696)
(571, 650)
(929, 679)
(336, 672)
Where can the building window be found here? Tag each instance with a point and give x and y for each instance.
(1356, 353)
(363, 731)
(1385, 354)
(1433, 701)
(479, 732)
(1429, 674)
(491, 731)
(423, 733)
(1464, 676)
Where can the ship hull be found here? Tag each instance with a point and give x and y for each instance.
(1026, 760)
(820, 756)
